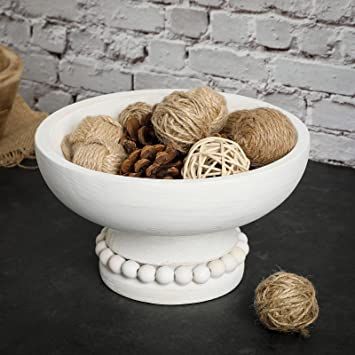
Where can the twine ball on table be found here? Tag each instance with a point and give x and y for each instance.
(286, 302)
(94, 144)
(265, 134)
(183, 118)
(214, 156)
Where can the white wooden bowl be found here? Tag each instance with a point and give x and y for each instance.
(166, 241)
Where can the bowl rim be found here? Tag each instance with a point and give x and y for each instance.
(42, 142)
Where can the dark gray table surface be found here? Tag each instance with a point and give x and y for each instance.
(52, 300)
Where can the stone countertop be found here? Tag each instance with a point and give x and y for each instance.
(52, 300)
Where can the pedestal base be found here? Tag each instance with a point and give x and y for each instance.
(183, 277)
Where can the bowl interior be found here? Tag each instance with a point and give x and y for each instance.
(52, 131)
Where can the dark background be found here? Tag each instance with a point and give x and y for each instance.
(52, 300)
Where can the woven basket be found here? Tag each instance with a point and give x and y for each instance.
(10, 73)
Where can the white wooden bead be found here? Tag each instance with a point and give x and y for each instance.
(146, 273)
(238, 255)
(130, 268)
(164, 275)
(201, 274)
(244, 247)
(217, 268)
(242, 237)
(100, 237)
(105, 255)
(238, 230)
(183, 275)
(229, 262)
(100, 247)
(115, 263)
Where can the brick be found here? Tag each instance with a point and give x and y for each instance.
(84, 40)
(168, 54)
(314, 76)
(248, 5)
(49, 37)
(141, 18)
(54, 100)
(317, 41)
(331, 148)
(298, 8)
(14, 32)
(227, 63)
(290, 102)
(94, 75)
(125, 47)
(39, 67)
(211, 3)
(273, 32)
(230, 28)
(144, 80)
(66, 9)
(333, 115)
(188, 22)
(235, 87)
(348, 43)
(333, 10)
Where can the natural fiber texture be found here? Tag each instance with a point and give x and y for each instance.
(94, 144)
(101, 127)
(17, 142)
(140, 111)
(214, 156)
(10, 73)
(153, 161)
(183, 118)
(138, 130)
(264, 134)
(286, 302)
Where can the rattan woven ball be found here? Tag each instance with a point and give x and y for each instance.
(286, 302)
(265, 134)
(183, 118)
(214, 156)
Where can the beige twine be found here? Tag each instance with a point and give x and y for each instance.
(183, 118)
(94, 144)
(286, 302)
(138, 110)
(264, 134)
(214, 156)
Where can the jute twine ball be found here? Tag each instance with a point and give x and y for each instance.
(183, 118)
(138, 110)
(94, 144)
(264, 134)
(214, 156)
(286, 302)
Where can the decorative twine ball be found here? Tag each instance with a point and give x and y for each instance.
(286, 302)
(94, 144)
(264, 134)
(138, 110)
(214, 156)
(100, 127)
(183, 118)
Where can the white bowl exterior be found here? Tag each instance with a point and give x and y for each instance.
(177, 207)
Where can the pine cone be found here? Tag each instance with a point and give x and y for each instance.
(138, 129)
(153, 161)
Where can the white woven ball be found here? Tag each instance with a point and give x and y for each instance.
(214, 156)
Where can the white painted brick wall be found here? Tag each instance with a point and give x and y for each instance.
(298, 54)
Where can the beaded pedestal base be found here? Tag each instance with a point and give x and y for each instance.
(170, 269)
